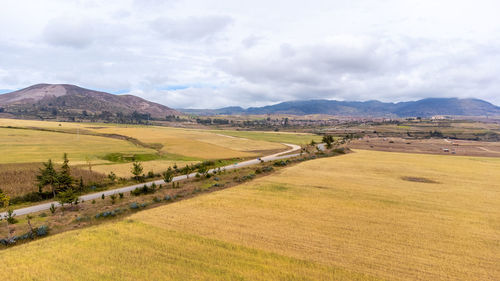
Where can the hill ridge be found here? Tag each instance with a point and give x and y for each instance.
(373, 108)
(71, 99)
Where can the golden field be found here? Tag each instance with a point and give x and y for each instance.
(124, 169)
(23, 145)
(363, 216)
(193, 143)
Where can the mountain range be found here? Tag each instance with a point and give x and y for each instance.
(43, 100)
(71, 99)
(423, 108)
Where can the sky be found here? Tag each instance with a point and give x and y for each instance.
(211, 54)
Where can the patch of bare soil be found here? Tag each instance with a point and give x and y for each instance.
(419, 179)
(429, 146)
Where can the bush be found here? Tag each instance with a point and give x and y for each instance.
(134, 205)
(52, 208)
(42, 231)
(156, 199)
(105, 214)
(11, 217)
(168, 198)
(93, 201)
(121, 195)
(281, 163)
(42, 215)
(144, 190)
(267, 169)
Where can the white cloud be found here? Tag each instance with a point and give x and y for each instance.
(221, 53)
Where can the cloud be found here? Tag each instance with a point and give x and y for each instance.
(67, 32)
(221, 53)
(191, 28)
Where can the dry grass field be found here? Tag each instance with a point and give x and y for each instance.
(19, 179)
(199, 144)
(363, 216)
(123, 169)
(22, 146)
(195, 143)
(283, 137)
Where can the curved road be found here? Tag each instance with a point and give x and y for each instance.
(46, 206)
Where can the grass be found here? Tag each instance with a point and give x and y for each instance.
(194, 143)
(342, 218)
(191, 143)
(282, 137)
(123, 170)
(19, 179)
(163, 255)
(22, 146)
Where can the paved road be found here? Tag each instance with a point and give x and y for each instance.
(273, 157)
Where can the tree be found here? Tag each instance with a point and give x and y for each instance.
(67, 196)
(187, 170)
(47, 176)
(328, 140)
(80, 184)
(64, 178)
(4, 199)
(112, 177)
(168, 175)
(137, 170)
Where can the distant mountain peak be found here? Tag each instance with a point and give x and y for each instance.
(74, 98)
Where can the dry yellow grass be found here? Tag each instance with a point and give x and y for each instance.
(201, 144)
(194, 143)
(341, 218)
(123, 170)
(21, 146)
(356, 212)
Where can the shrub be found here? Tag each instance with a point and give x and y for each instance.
(105, 214)
(144, 205)
(42, 231)
(42, 215)
(143, 190)
(156, 199)
(52, 208)
(281, 163)
(151, 174)
(93, 201)
(102, 196)
(121, 195)
(10, 217)
(134, 205)
(267, 169)
(168, 198)
(113, 198)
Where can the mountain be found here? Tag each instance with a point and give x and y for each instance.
(423, 108)
(71, 99)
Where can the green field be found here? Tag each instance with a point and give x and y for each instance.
(363, 216)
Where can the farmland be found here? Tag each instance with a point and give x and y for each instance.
(192, 143)
(156, 166)
(367, 215)
(23, 145)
